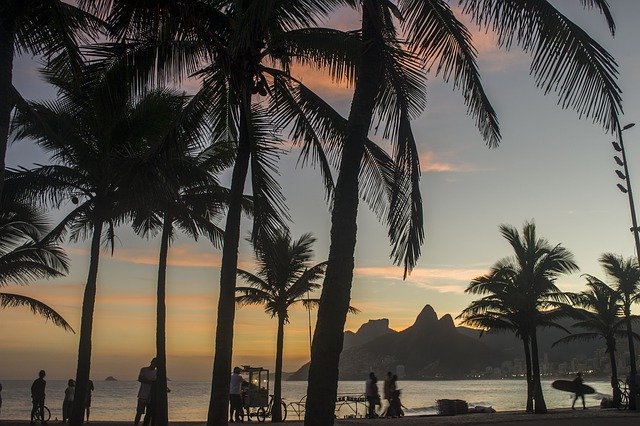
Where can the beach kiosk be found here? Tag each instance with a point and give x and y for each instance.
(255, 394)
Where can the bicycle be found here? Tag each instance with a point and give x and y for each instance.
(41, 414)
(624, 395)
(261, 413)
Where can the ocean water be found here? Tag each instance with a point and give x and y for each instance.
(189, 400)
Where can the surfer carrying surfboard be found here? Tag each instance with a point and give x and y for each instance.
(579, 392)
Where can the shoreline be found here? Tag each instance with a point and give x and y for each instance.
(592, 416)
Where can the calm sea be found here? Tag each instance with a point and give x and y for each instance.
(189, 400)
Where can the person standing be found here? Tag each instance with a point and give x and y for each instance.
(373, 396)
(146, 378)
(37, 397)
(87, 402)
(67, 404)
(579, 392)
(235, 396)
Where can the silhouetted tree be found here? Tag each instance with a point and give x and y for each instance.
(521, 293)
(284, 278)
(96, 133)
(565, 58)
(625, 275)
(597, 311)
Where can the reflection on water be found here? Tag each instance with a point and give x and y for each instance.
(189, 400)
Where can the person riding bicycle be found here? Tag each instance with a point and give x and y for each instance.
(37, 398)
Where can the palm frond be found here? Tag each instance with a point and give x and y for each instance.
(9, 300)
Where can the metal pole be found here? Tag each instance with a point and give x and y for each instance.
(634, 230)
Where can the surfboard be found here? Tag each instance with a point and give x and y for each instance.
(571, 386)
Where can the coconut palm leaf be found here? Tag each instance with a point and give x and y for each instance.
(565, 58)
(9, 300)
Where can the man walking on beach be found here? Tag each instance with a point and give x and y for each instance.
(37, 397)
(146, 378)
(373, 396)
(235, 396)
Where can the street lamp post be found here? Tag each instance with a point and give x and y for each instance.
(635, 230)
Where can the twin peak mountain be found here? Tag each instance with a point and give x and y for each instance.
(431, 348)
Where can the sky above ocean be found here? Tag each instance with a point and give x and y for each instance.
(551, 167)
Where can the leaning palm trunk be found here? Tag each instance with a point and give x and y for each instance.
(540, 406)
(611, 348)
(527, 360)
(86, 327)
(7, 42)
(276, 411)
(336, 290)
(219, 401)
(162, 406)
(632, 357)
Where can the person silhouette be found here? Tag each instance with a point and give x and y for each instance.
(373, 396)
(37, 397)
(235, 395)
(579, 392)
(146, 378)
(67, 404)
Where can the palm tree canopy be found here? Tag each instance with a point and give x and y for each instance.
(25, 257)
(97, 134)
(597, 310)
(624, 273)
(47, 27)
(519, 293)
(284, 276)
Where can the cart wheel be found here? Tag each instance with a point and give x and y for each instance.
(261, 414)
(284, 411)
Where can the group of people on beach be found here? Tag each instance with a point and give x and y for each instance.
(38, 394)
(391, 394)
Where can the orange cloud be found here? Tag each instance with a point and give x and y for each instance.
(428, 278)
(430, 163)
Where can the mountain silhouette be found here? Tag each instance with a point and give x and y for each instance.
(435, 348)
(430, 348)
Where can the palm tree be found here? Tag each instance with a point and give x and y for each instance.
(36, 27)
(582, 72)
(25, 257)
(240, 49)
(501, 310)
(193, 199)
(565, 58)
(521, 293)
(284, 278)
(598, 311)
(96, 133)
(625, 274)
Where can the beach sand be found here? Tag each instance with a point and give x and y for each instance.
(591, 417)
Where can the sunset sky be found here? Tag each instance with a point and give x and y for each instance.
(550, 167)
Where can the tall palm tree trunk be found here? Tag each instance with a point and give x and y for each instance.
(540, 405)
(86, 328)
(617, 397)
(527, 360)
(162, 405)
(632, 357)
(7, 45)
(219, 401)
(276, 413)
(336, 290)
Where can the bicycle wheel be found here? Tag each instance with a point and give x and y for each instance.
(261, 414)
(624, 395)
(284, 411)
(46, 414)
